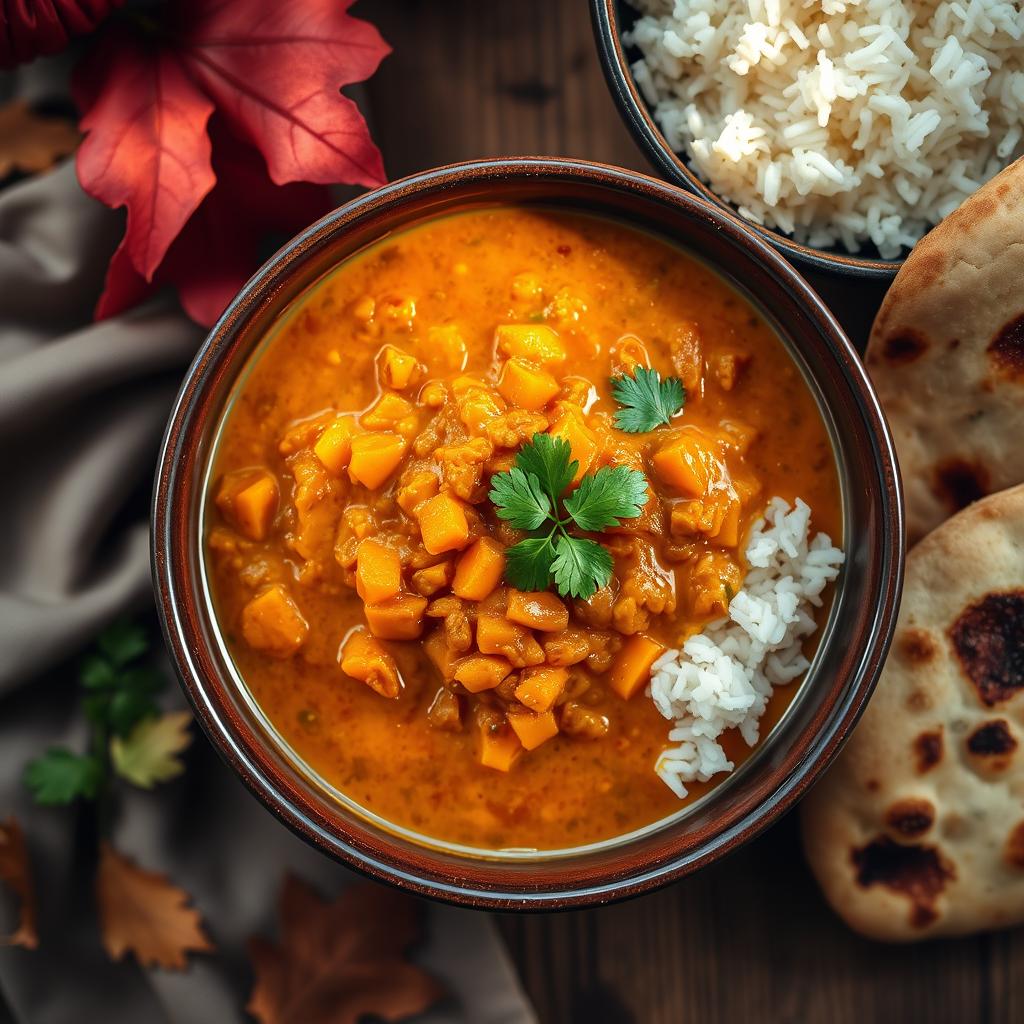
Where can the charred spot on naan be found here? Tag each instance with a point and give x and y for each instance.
(910, 818)
(1013, 852)
(904, 347)
(928, 750)
(918, 872)
(992, 744)
(1006, 350)
(988, 638)
(960, 483)
(916, 646)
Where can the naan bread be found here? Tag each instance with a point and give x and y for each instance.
(947, 355)
(918, 829)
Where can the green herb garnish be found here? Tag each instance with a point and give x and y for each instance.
(647, 401)
(529, 497)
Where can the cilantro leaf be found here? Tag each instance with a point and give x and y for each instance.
(647, 401)
(59, 776)
(580, 567)
(550, 460)
(607, 497)
(97, 673)
(123, 642)
(528, 563)
(519, 497)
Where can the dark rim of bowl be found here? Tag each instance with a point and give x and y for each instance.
(426, 871)
(646, 133)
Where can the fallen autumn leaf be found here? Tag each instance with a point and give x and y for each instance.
(16, 872)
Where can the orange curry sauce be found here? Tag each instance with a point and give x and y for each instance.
(401, 353)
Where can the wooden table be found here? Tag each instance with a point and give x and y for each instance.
(749, 939)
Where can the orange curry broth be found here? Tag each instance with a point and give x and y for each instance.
(609, 292)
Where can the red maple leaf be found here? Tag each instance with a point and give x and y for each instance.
(272, 71)
(32, 28)
(221, 245)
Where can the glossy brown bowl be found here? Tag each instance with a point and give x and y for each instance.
(854, 641)
(611, 18)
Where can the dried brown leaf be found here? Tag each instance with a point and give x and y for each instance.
(142, 913)
(16, 872)
(30, 143)
(339, 962)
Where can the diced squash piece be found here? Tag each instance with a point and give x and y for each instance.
(478, 406)
(496, 635)
(375, 457)
(689, 464)
(386, 411)
(400, 618)
(442, 656)
(378, 571)
(433, 578)
(541, 687)
(479, 569)
(273, 624)
(499, 748)
(421, 486)
(728, 535)
(255, 507)
(538, 610)
(536, 342)
(479, 672)
(445, 711)
(569, 647)
(631, 670)
(396, 368)
(532, 729)
(582, 440)
(334, 446)
(443, 524)
(525, 385)
(364, 658)
(445, 348)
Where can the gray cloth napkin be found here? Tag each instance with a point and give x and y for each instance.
(82, 407)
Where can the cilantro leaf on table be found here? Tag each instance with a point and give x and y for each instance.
(605, 498)
(529, 496)
(122, 642)
(647, 401)
(59, 776)
(519, 498)
(580, 567)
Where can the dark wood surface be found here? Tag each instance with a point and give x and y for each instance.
(749, 939)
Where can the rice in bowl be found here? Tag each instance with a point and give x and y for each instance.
(849, 122)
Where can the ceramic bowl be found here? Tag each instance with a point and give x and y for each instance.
(611, 18)
(853, 643)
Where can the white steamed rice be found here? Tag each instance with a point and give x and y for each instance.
(837, 121)
(722, 678)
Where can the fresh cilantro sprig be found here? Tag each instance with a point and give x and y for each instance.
(647, 401)
(529, 497)
(128, 737)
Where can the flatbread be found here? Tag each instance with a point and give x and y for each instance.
(918, 828)
(946, 355)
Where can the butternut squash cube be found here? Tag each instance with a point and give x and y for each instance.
(421, 486)
(378, 571)
(496, 635)
(255, 507)
(541, 687)
(536, 342)
(689, 464)
(479, 672)
(442, 656)
(445, 711)
(396, 368)
(538, 610)
(273, 624)
(631, 670)
(532, 729)
(386, 412)
(525, 385)
(479, 569)
(364, 658)
(443, 524)
(334, 446)
(478, 406)
(375, 457)
(400, 618)
(433, 578)
(499, 748)
(582, 440)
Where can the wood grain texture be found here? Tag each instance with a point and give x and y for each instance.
(749, 939)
